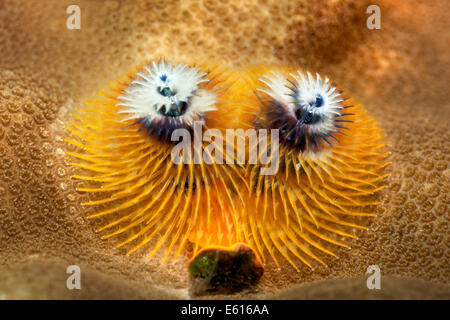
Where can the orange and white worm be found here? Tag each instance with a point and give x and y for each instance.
(331, 162)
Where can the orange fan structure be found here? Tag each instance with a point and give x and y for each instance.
(330, 166)
(122, 145)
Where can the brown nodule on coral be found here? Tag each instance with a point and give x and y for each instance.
(224, 271)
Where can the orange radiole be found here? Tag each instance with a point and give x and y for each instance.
(331, 162)
(328, 152)
(122, 143)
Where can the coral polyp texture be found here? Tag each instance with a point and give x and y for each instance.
(400, 73)
(122, 143)
(331, 160)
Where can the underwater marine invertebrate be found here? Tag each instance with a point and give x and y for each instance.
(125, 147)
(305, 110)
(397, 73)
(167, 97)
(330, 167)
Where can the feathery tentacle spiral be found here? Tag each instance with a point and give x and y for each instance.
(330, 168)
(330, 163)
(122, 145)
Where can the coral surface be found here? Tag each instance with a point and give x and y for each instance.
(400, 73)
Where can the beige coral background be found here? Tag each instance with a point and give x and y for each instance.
(400, 73)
